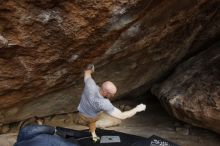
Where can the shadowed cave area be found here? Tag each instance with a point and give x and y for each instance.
(154, 121)
(165, 54)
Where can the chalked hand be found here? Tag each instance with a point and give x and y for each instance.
(90, 67)
(140, 107)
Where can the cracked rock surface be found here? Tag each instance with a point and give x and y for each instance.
(46, 44)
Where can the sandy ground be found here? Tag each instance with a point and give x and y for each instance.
(154, 121)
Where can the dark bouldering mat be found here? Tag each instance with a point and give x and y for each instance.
(38, 135)
(125, 140)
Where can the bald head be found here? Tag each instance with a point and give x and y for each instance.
(108, 89)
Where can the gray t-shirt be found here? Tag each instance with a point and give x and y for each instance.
(92, 102)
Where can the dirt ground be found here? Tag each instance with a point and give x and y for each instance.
(154, 121)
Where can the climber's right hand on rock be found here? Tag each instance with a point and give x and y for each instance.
(90, 67)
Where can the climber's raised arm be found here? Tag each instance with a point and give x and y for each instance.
(88, 71)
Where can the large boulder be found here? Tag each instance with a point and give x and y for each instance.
(192, 92)
(46, 44)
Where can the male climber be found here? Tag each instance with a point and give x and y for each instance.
(95, 99)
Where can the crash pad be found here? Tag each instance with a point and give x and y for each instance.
(35, 135)
(125, 140)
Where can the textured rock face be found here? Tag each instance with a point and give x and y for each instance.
(46, 44)
(192, 93)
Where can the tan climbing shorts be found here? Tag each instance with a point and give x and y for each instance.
(87, 121)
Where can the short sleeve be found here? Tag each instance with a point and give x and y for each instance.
(90, 84)
(106, 106)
